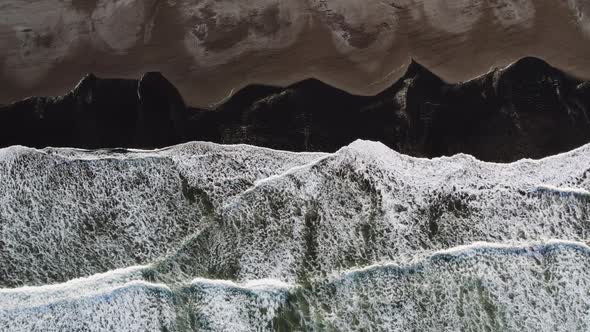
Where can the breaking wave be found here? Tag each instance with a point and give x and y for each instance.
(202, 236)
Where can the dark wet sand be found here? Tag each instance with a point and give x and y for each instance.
(552, 35)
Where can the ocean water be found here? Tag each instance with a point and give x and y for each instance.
(206, 237)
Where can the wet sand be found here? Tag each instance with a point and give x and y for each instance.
(209, 48)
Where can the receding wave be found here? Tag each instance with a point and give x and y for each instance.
(484, 286)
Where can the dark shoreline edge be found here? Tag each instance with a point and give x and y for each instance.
(528, 109)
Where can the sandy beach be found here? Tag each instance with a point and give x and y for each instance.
(209, 48)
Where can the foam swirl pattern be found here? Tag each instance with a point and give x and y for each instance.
(206, 237)
(114, 209)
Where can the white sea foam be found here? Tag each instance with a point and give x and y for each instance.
(244, 238)
(373, 204)
(116, 209)
(529, 287)
(563, 191)
(250, 284)
(482, 285)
